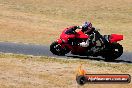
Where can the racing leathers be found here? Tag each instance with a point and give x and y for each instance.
(94, 38)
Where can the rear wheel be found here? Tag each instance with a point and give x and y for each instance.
(56, 49)
(116, 50)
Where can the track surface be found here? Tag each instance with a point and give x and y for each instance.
(43, 50)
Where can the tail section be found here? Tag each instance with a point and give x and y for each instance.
(116, 37)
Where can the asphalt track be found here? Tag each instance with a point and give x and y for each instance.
(43, 50)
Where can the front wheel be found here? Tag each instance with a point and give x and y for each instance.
(116, 50)
(56, 49)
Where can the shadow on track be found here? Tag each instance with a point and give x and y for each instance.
(100, 59)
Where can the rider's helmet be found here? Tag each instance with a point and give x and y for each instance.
(87, 27)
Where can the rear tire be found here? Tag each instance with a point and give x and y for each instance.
(56, 49)
(116, 50)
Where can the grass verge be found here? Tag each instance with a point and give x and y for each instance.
(24, 71)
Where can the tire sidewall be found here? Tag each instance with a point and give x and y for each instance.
(111, 56)
(54, 50)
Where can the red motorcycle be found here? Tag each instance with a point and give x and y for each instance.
(111, 50)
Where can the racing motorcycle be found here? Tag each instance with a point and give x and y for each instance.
(110, 50)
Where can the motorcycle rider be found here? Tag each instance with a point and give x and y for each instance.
(94, 36)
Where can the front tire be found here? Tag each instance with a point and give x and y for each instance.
(116, 50)
(56, 49)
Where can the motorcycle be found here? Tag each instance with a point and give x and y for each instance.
(110, 50)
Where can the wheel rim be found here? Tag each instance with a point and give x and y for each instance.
(57, 47)
(117, 52)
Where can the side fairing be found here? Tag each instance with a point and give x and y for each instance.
(81, 35)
